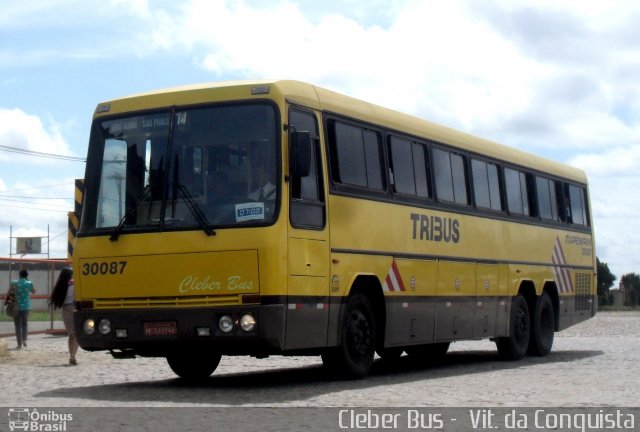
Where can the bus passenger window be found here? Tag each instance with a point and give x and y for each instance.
(577, 205)
(486, 185)
(355, 156)
(408, 163)
(450, 177)
(547, 201)
(517, 192)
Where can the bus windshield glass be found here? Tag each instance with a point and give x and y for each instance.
(214, 165)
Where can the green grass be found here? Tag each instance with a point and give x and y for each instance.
(35, 316)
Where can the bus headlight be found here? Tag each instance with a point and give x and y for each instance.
(247, 322)
(225, 323)
(89, 327)
(104, 326)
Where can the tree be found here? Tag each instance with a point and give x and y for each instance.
(605, 282)
(631, 282)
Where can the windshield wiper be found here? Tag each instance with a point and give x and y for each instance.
(127, 214)
(196, 211)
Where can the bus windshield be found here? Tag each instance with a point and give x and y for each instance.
(184, 168)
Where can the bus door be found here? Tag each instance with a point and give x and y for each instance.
(308, 245)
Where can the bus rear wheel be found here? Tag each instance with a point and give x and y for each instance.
(194, 365)
(354, 356)
(515, 346)
(543, 327)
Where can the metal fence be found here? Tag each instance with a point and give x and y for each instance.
(43, 273)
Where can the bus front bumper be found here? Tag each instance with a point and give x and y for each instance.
(160, 332)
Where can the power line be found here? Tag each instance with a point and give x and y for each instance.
(42, 205)
(35, 208)
(41, 154)
(34, 198)
(37, 187)
(59, 235)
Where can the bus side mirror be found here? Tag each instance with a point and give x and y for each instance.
(300, 154)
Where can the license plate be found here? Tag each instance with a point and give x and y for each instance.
(167, 328)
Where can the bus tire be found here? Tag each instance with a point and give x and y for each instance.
(193, 365)
(429, 352)
(515, 346)
(543, 327)
(353, 357)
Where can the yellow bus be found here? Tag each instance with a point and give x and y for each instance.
(276, 217)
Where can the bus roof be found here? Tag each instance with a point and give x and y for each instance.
(330, 101)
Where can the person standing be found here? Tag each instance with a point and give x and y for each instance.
(62, 297)
(23, 288)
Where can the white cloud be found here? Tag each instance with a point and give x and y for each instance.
(554, 78)
(27, 132)
(613, 162)
(615, 202)
(28, 202)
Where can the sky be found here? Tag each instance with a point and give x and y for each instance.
(558, 78)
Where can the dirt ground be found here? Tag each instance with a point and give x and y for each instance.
(591, 364)
(595, 363)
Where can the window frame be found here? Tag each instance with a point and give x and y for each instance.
(414, 163)
(500, 192)
(335, 182)
(450, 152)
(303, 210)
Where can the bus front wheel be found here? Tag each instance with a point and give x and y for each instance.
(354, 356)
(515, 346)
(193, 365)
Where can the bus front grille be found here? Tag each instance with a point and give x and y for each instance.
(165, 302)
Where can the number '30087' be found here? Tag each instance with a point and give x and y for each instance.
(103, 268)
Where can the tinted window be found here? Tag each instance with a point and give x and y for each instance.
(517, 196)
(372, 159)
(310, 186)
(402, 166)
(547, 201)
(408, 164)
(486, 185)
(356, 155)
(420, 165)
(307, 193)
(578, 206)
(450, 176)
(350, 151)
(494, 187)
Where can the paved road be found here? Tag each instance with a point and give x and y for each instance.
(590, 365)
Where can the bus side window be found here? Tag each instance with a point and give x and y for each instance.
(307, 193)
(547, 201)
(355, 156)
(409, 166)
(576, 204)
(519, 186)
(450, 177)
(565, 204)
(486, 185)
